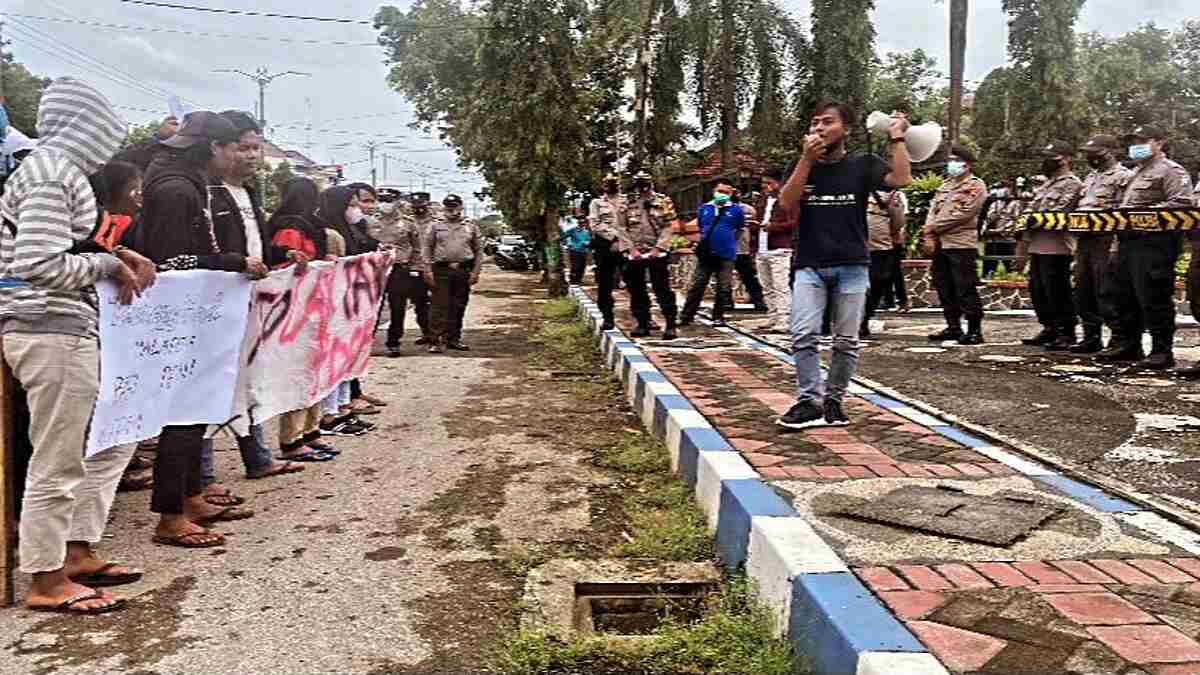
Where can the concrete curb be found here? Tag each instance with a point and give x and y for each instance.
(834, 621)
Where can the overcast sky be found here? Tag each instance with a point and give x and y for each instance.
(346, 100)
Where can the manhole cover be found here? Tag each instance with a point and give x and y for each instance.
(1001, 358)
(992, 519)
(925, 350)
(636, 609)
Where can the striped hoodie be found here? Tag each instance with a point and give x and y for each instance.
(48, 206)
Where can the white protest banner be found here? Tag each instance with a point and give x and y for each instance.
(308, 331)
(171, 357)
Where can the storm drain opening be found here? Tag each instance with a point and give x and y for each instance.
(632, 609)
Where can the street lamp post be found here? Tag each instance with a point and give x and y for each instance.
(262, 78)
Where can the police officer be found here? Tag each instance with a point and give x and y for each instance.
(452, 253)
(649, 218)
(885, 229)
(1050, 252)
(951, 238)
(1144, 287)
(607, 216)
(402, 234)
(1104, 188)
(1193, 283)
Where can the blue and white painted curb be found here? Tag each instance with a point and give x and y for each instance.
(821, 607)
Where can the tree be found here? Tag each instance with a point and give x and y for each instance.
(958, 55)
(1041, 48)
(22, 94)
(272, 181)
(843, 48)
(906, 81)
(140, 134)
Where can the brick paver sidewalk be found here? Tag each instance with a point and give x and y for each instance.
(1101, 587)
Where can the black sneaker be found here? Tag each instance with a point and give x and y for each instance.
(361, 423)
(834, 416)
(393, 351)
(640, 331)
(719, 323)
(436, 348)
(608, 324)
(423, 341)
(803, 415)
(458, 347)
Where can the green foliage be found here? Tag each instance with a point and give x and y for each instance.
(920, 194)
(140, 134)
(22, 94)
(734, 638)
(273, 182)
(842, 50)
(909, 82)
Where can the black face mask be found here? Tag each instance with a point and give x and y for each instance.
(641, 186)
(1050, 166)
(611, 188)
(1097, 161)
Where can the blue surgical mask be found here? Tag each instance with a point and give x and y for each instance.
(1139, 152)
(955, 168)
(721, 199)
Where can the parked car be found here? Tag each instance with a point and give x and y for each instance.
(512, 253)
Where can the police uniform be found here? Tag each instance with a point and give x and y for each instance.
(1103, 188)
(1050, 255)
(453, 254)
(885, 229)
(401, 232)
(607, 216)
(951, 227)
(1144, 286)
(746, 270)
(646, 243)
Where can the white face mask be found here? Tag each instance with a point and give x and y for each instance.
(353, 214)
(955, 168)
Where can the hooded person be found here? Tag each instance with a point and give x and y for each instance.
(294, 229)
(49, 322)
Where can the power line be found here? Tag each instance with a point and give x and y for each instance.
(239, 12)
(154, 29)
(75, 63)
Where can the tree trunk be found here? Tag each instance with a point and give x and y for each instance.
(553, 255)
(958, 55)
(642, 85)
(729, 119)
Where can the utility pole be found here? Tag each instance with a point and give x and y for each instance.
(385, 159)
(371, 145)
(262, 78)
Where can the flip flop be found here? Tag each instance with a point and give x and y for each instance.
(224, 499)
(189, 540)
(99, 579)
(225, 515)
(65, 606)
(279, 470)
(325, 448)
(309, 457)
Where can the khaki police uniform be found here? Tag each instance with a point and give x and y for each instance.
(1102, 189)
(452, 250)
(885, 230)
(646, 243)
(1144, 287)
(401, 232)
(1050, 255)
(607, 216)
(950, 227)
(1194, 265)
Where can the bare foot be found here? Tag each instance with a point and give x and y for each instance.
(219, 495)
(180, 527)
(81, 560)
(58, 593)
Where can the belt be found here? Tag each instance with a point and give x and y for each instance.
(466, 264)
(1126, 221)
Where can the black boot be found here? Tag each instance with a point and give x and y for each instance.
(1064, 340)
(1124, 350)
(669, 333)
(1045, 337)
(643, 330)
(608, 324)
(1161, 356)
(974, 334)
(1090, 344)
(948, 333)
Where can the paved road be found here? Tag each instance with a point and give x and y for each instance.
(386, 560)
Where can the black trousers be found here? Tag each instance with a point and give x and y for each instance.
(1193, 283)
(1144, 287)
(747, 271)
(882, 268)
(659, 271)
(578, 266)
(997, 248)
(404, 287)
(609, 263)
(896, 292)
(177, 468)
(955, 277)
(706, 267)
(1050, 290)
(451, 293)
(1094, 269)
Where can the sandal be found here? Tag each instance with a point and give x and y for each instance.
(99, 579)
(312, 456)
(191, 540)
(325, 448)
(224, 499)
(132, 482)
(65, 607)
(227, 514)
(361, 407)
(276, 470)
(373, 400)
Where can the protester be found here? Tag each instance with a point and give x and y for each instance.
(648, 219)
(578, 240)
(48, 319)
(1144, 286)
(406, 283)
(830, 189)
(451, 258)
(721, 223)
(144, 153)
(1050, 252)
(744, 265)
(1104, 188)
(772, 247)
(950, 237)
(177, 233)
(607, 216)
(123, 183)
(885, 223)
(357, 232)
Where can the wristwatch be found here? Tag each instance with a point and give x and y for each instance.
(896, 140)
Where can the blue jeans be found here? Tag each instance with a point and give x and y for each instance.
(844, 289)
(256, 456)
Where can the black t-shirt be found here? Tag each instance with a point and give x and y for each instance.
(832, 228)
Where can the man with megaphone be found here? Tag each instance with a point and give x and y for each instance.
(830, 258)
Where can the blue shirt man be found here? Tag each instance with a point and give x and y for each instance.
(720, 220)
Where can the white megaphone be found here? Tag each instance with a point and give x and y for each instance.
(922, 140)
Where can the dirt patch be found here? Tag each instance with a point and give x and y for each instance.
(386, 553)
